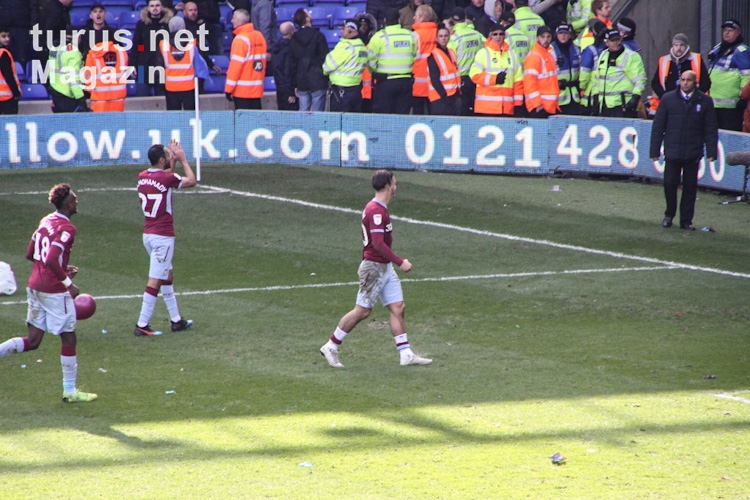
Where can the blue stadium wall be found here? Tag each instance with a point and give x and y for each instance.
(531, 147)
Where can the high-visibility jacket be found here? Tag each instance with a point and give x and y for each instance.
(589, 58)
(392, 51)
(493, 99)
(6, 94)
(179, 66)
(579, 13)
(568, 71)
(663, 71)
(427, 33)
(518, 42)
(247, 63)
(346, 62)
(106, 63)
(465, 42)
(65, 71)
(616, 85)
(540, 86)
(366, 84)
(586, 37)
(729, 72)
(527, 23)
(450, 78)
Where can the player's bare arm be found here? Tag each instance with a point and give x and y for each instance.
(178, 154)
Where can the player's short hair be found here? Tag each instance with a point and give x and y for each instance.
(58, 194)
(381, 179)
(155, 153)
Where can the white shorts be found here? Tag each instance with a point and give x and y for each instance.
(161, 250)
(51, 312)
(378, 281)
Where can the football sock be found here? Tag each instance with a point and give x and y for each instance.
(147, 308)
(402, 344)
(69, 364)
(167, 293)
(12, 346)
(338, 336)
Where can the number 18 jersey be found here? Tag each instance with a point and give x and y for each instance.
(155, 192)
(54, 235)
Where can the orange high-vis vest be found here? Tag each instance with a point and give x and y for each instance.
(179, 72)
(450, 77)
(427, 33)
(107, 62)
(247, 63)
(540, 84)
(695, 66)
(5, 92)
(366, 84)
(493, 99)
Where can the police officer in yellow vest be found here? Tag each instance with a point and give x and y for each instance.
(527, 23)
(465, 42)
(391, 54)
(65, 86)
(344, 66)
(729, 67)
(619, 79)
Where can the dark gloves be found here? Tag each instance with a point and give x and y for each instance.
(500, 78)
(228, 96)
(563, 84)
(632, 104)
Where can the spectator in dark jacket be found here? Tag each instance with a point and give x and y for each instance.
(282, 72)
(10, 92)
(378, 8)
(193, 23)
(55, 19)
(210, 13)
(154, 17)
(686, 123)
(307, 53)
(97, 22)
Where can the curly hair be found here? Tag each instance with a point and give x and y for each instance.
(58, 194)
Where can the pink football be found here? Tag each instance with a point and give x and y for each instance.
(85, 306)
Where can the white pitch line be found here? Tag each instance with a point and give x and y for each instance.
(354, 283)
(724, 395)
(509, 237)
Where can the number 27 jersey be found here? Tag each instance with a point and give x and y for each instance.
(155, 192)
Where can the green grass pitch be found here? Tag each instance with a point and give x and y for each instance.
(561, 321)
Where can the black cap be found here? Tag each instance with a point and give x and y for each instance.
(612, 34)
(564, 28)
(542, 30)
(458, 14)
(496, 27)
(731, 23)
(97, 6)
(508, 17)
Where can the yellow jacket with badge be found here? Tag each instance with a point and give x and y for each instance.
(65, 71)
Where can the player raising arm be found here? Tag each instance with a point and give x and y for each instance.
(377, 279)
(155, 186)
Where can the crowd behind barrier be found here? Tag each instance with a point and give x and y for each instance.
(559, 144)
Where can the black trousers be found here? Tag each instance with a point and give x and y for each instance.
(392, 96)
(420, 106)
(447, 106)
(247, 103)
(9, 107)
(177, 101)
(468, 94)
(729, 118)
(282, 100)
(689, 169)
(346, 99)
(64, 104)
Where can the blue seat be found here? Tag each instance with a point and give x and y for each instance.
(215, 84)
(321, 17)
(332, 36)
(269, 84)
(79, 16)
(20, 72)
(285, 13)
(360, 6)
(113, 3)
(221, 61)
(87, 3)
(341, 14)
(114, 13)
(128, 20)
(34, 92)
(131, 89)
(226, 39)
(139, 5)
